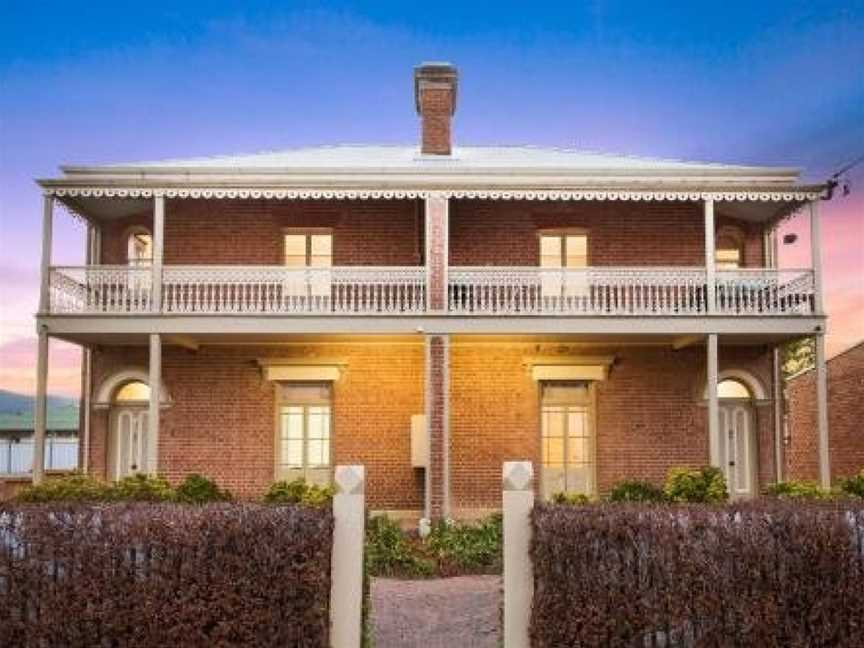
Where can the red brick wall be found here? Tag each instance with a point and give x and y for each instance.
(390, 232)
(222, 421)
(650, 414)
(845, 419)
(619, 233)
(374, 232)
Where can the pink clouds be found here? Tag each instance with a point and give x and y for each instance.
(18, 367)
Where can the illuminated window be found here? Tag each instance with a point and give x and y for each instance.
(728, 255)
(567, 439)
(308, 250)
(133, 391)
(139, 248)
(732, 389)
(563, 250)
(304, 433)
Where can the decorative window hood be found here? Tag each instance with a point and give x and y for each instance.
(301, 369)
(567, 367)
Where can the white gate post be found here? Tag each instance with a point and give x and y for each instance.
(346, 587)
(518, 501)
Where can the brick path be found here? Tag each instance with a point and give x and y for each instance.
(462, 612)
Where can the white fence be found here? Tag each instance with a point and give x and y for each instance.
(16, 457)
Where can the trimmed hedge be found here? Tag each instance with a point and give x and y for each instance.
(164, 575)
(770, 573)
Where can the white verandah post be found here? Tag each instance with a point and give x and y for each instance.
(710, 270)
(41, 409)
(713, 404)
(822, 413)
(158, 246)
(155, 380)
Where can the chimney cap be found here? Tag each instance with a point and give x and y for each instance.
(436, 72)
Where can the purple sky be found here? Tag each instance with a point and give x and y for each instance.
(765, 83)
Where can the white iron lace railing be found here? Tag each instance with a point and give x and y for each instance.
(106, 289)
(758, 291)
(240, 289)
(277, 289)
(625, 291)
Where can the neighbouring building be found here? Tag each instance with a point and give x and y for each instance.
(430, 312)
(845, 418)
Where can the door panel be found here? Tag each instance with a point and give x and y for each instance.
(737, 449)
(129, 441)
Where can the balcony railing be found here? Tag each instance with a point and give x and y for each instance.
(241, 290)
(364, 290)
(626, 291)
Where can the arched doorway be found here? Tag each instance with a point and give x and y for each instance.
(738, 456)
(127, 443)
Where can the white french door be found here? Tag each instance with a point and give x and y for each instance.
(567, 439)
(129, 434)
(737, 449)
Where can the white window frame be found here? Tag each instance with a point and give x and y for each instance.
(317, 281)
(311, 473)
(590, 405)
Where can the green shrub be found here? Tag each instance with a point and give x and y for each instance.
(197, 489)
(142, 488)
(572, 499)
(467, 546)
(700, 486)
(389, 552)
(636, 491)
(797, 490)
(299, 492)
(853, 486)
(77, 487)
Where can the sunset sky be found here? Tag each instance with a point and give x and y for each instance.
(777, 83)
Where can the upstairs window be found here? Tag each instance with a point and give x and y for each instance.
(563, 250)
(139, 248)
(308, 249)
(729, 252)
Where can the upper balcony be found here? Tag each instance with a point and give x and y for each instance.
(401, 290)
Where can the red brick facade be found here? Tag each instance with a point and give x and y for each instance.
(845, 418)
(650, 414)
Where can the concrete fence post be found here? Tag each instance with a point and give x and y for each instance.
(518, 501)
(346, 588)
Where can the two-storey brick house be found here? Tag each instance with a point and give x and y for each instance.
(268, 316)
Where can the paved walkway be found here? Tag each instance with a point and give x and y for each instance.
(462, 612)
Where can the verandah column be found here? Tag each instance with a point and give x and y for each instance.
(437, 504)
(821, 368)
(155, 381)
(41, 413)
(158, 245)
(437, 252)
(710, 269)
(713, 404)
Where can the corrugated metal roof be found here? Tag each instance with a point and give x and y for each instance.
(463, 157)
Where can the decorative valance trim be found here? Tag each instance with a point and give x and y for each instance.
(781, 195)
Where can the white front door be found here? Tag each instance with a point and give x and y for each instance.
(737, 449)
(129, 441)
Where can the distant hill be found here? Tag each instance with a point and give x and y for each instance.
(16, 412)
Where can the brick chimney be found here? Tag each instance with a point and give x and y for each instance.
(435, 95)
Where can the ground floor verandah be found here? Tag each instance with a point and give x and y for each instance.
(588, 412)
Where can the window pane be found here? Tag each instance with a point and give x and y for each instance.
(292, 453)
(728, 258)
(554, 422)
(554, 451)
(319, 422)
(732, 389)
(577, 251)
(140, 248)
(133, 391)
(292, 422)
(318, 453)
(295, 250)
(550, 251)
(322, 250)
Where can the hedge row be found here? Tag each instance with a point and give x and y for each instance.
(164, 575)
(762, 574)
